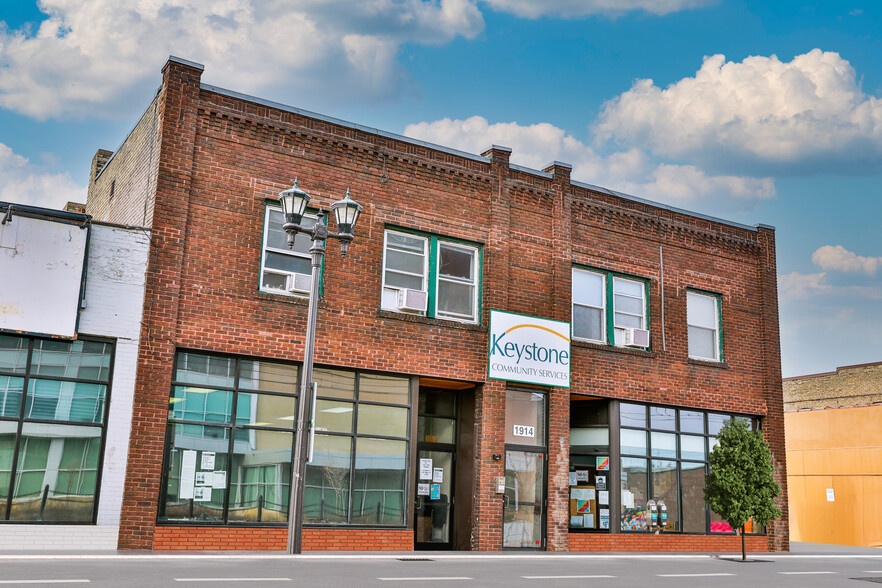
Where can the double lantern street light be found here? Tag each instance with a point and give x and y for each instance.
(346, 211)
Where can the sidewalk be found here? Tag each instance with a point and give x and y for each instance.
(797, 550)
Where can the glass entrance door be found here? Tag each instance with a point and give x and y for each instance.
(524, 501)
(434, 499)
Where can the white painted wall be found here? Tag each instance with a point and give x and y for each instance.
(116, 267)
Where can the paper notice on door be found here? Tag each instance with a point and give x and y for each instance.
(425, 469)
(604, 518)
(203, 478)
(581, 493)
(588, 521)
(202, 494)
(627, 499)
(438, 475)
(422, 489)
(581, 475)
(573, 480)
(207, 460)
(188, 474)
(603, 497)
(219, 479)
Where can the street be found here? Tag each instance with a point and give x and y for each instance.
(807, 565)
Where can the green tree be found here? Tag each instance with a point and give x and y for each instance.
(740, 485)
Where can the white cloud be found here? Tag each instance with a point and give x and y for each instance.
(94, 53)
(761, 112)
(800, 286)
(25, 183)
(631, 171)
(579, 8)
(838, 258)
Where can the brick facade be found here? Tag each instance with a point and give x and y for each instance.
(853, 385)
(220, 157)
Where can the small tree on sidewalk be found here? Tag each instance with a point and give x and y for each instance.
(740, 485)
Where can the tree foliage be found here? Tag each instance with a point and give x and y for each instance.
(740, 485)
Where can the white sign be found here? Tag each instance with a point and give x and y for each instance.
(42, 263)
(524, 431)
(573, 480)
(604, 518)
(529, 349)
(582, 475)
(203, 478)
(207, 460)
(422, 489)
(603, 496)
(202, 494)
(219, 480)
(425, 469)
(188, 474)
(438, 475)
(831, 495)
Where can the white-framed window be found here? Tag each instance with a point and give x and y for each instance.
(447, 272)
(589, 305)
(278, 262)
(605, 305)
(703, 321)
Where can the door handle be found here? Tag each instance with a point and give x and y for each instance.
(505, 501)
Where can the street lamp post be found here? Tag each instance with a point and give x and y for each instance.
(346, 211)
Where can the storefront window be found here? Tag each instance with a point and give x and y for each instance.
(231, 434)
(590, 480)
(677, 443)
(52, 426)
(358, 474)
(230, 438)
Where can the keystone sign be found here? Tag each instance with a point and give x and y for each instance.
(528, 349)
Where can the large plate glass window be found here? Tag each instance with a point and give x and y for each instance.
(279, 262)
(230, 434)
(664, 455)
(53, 398)
(703, 319)
(358, 474)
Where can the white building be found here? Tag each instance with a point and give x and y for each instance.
(71, 300)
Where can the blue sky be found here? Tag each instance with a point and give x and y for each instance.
(758, 112)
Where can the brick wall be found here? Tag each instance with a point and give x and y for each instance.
(222, 156)
(663, 542)
(224, 538)
(853, 385)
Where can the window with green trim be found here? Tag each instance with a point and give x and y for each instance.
(607, 305)
(431, 276)
(278, 262)
(703, 320)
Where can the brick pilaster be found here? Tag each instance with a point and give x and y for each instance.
(177, 116)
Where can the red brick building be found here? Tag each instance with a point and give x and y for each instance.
(671, 321)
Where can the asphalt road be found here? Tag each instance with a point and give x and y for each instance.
(812, 566)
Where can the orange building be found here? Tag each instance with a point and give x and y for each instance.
(833, 427)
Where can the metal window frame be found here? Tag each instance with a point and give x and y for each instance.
(30, 374)
(755, 422)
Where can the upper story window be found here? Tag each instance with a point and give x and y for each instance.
(430, 276)
(610, 309)
(703, 319)
(280, 265)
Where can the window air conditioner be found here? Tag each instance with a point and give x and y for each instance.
(636, 338)
(298, 283)
(412, 300)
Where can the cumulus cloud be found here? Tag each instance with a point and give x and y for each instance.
(800, 286)
(26, 183)
(631, 171)
(760, 113)
(93, 53)
(580, 8)
(838, 258)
